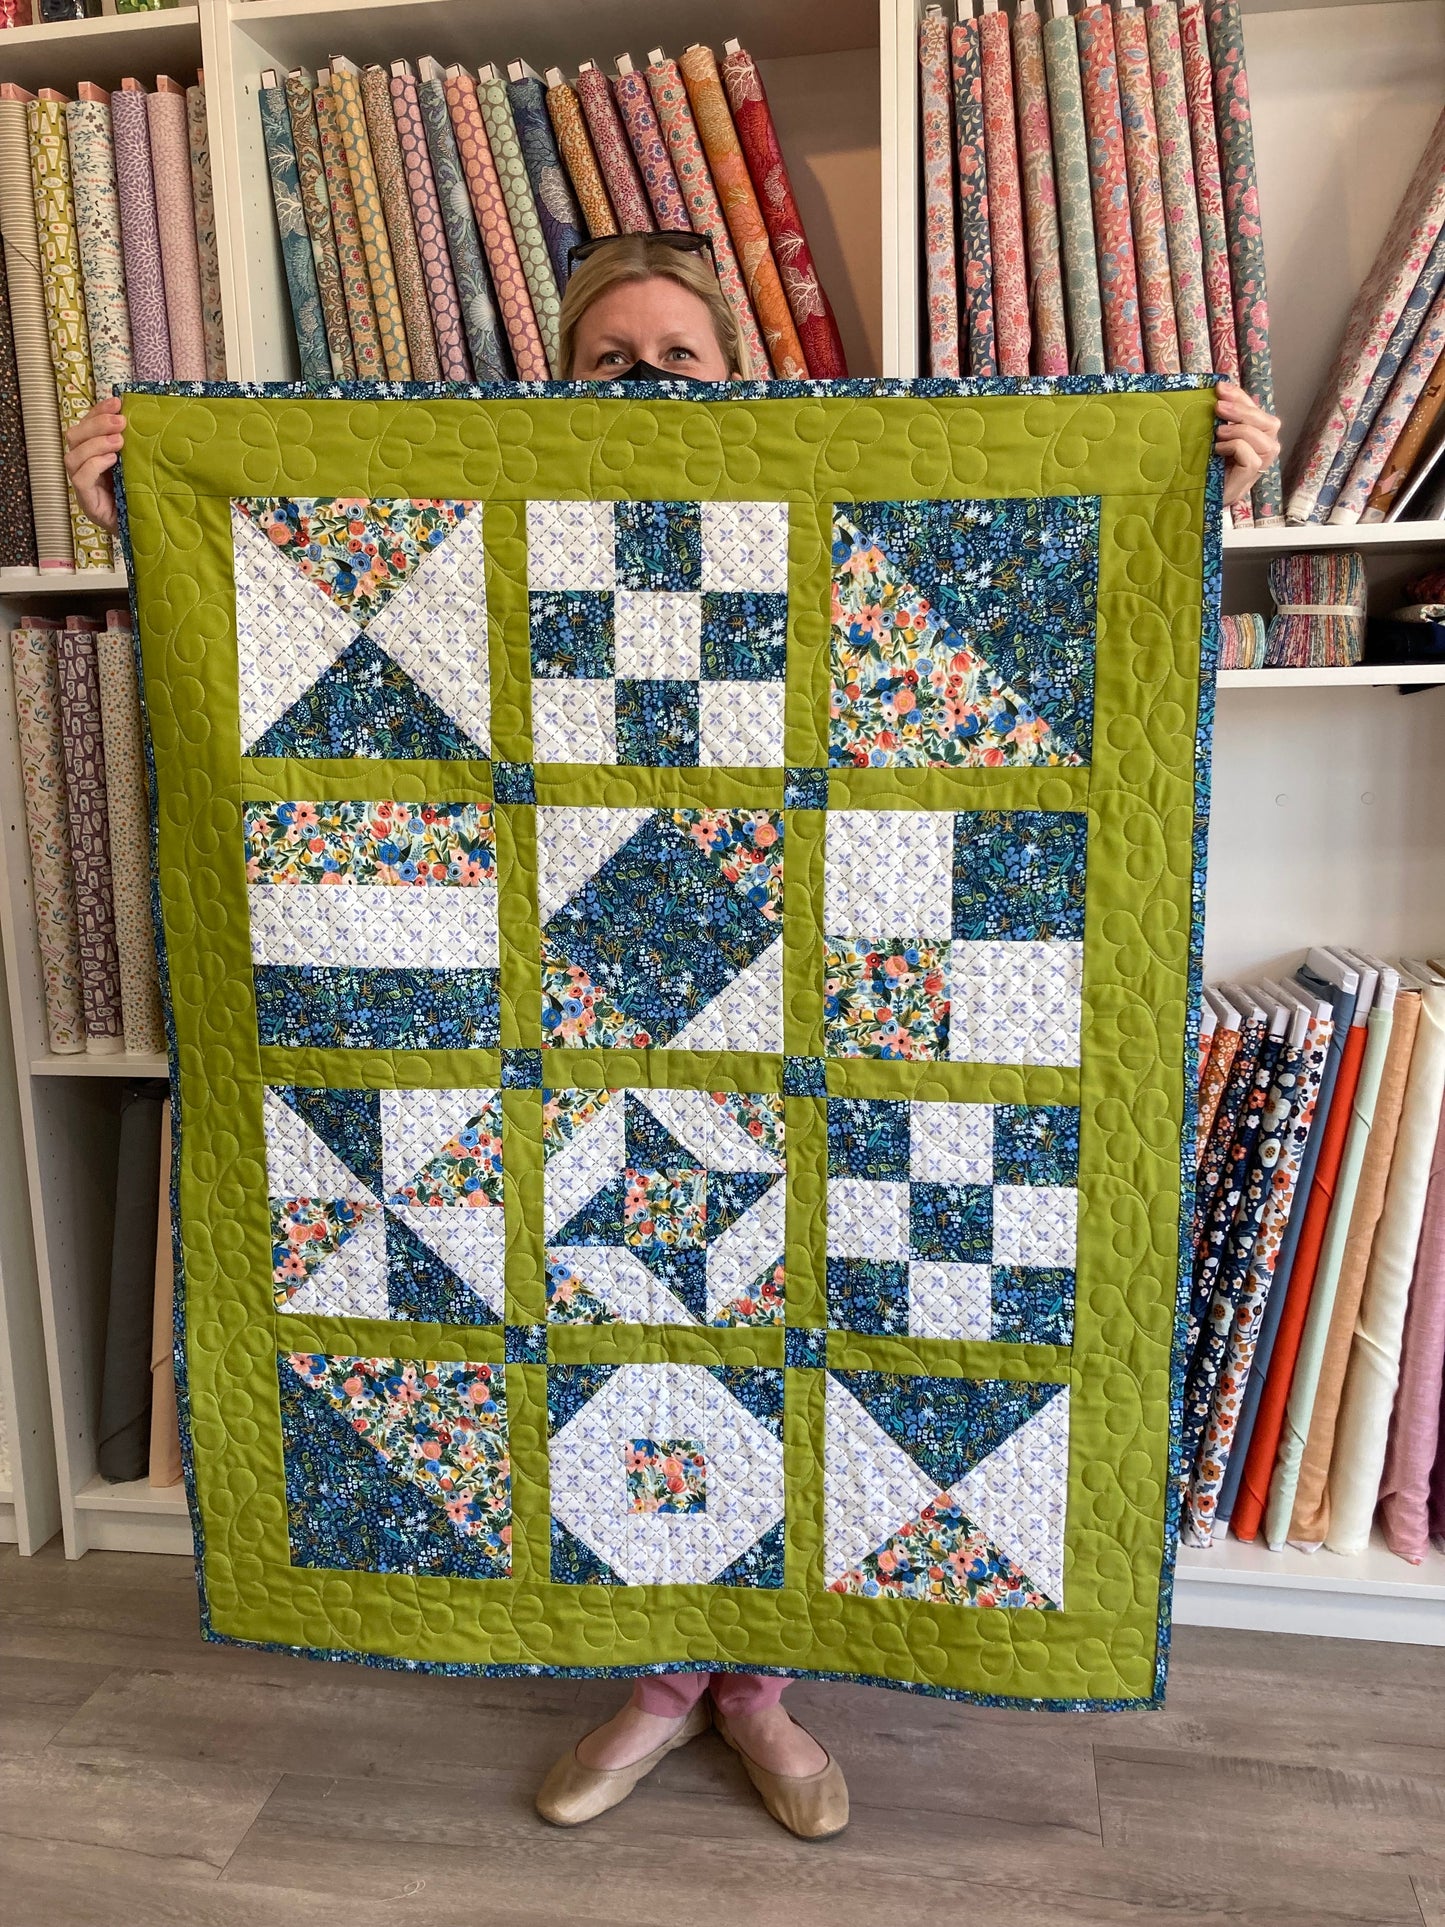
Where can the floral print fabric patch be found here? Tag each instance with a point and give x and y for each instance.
(963, 633)
(397, 1464)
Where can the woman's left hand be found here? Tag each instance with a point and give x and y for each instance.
(1247, 436)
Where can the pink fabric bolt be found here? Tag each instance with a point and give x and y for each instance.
(514, 301)
(1012, 331)
(1415, 1425)
(939, 244)
(1109, 184)
(431, 239)
(1146, 193)
(634, 105)
(170, 138)
(1209, 186)
(614, 156)
(145, 288)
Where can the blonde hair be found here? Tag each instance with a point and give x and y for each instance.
(646, 257)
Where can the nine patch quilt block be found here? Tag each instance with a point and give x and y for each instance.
(681, 920)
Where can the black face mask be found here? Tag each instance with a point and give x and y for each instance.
(644, 371)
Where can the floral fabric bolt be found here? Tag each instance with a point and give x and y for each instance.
(939, 244)
(975, 248)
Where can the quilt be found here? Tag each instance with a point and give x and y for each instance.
(680, 912)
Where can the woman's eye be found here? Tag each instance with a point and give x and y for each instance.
(611, 359)
(680, 354)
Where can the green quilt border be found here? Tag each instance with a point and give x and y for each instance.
(167, 475)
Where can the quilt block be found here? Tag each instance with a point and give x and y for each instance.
(681, 915)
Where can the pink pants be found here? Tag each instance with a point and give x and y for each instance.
(670, 1695)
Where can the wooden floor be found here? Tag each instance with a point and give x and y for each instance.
(148, 1780)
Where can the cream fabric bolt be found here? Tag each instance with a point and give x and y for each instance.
(1284, 1480)
(1362, 1431)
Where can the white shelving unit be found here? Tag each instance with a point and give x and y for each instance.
(1327, 808)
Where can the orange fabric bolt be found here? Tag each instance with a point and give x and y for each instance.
(1211, 1088)
(1269, 1419)
(564, 110)
(741, 211)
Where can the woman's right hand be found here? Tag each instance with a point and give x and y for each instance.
(91, 448)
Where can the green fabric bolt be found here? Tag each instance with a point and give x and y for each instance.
(521, 210)
(1076, 211)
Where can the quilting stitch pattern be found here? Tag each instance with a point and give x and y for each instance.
(997, 1541)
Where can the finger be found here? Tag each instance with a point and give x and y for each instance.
(88, 475)
(86, 436)
(1265, 446)
(1249, 466)
(1245, 410)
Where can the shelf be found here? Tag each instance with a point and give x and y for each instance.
(82, 1064)
(1372, 1595)
(61, 581)
(1315, 535)
(106, 50)
(134, 1517)
(549, 31)
(1371, 675)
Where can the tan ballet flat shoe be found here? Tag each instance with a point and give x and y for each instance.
(573, 1793)
(814, 1806)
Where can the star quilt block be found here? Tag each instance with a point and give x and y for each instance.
(658, 632)
(361, 627)
(387, 1204)
(664, 1207)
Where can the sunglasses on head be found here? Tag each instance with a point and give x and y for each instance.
(679, 241)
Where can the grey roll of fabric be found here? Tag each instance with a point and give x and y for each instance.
(39, 408)
(124, 1430)
(97, 221)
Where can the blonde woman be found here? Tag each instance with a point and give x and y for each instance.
(646, 307)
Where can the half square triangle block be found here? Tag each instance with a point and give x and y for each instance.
(386, 1204)
(361, 627)
(953, 1491)
(963, 632)
(592, 1454)
(660, 925)
(396, 1464)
